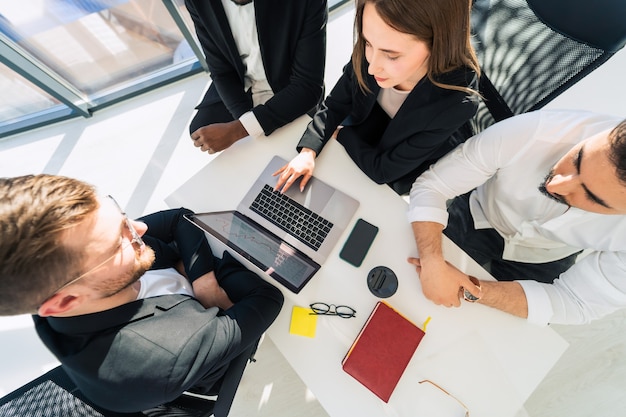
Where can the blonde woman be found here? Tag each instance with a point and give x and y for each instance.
(405, 96)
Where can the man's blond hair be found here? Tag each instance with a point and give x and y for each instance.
(35, 210)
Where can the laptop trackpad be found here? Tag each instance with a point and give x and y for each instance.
(315, 196)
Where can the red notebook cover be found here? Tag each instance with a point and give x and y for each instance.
(382, 350)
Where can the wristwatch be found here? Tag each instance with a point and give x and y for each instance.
(468, 296)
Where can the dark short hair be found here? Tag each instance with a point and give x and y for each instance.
(617, 154)
(35, 210)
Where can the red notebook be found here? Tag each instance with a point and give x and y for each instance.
(382, 350)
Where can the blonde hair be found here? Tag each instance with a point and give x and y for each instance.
(35, 210)
(444, 25)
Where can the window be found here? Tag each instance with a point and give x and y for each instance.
(70, 57)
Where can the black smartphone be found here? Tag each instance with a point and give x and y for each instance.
(358, 243)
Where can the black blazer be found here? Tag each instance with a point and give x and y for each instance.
(394, 151)
(148, 352)
(292, 38)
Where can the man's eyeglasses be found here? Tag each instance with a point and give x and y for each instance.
(135, 240)
(344, 312)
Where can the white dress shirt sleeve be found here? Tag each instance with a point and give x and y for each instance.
(251, 124)
(593, 287)
(469, 165)
(539, 302)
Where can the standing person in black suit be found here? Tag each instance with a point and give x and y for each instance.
(137, 312)
(266, 60)
(409, 89)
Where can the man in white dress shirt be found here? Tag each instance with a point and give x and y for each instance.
(532, 192)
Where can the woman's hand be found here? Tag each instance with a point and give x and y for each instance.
(300, 166)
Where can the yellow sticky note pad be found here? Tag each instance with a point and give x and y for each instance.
(303, 323)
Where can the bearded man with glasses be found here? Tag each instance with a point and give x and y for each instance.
(137, 312)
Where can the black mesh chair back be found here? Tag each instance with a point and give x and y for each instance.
(54, 394)
(530, 51)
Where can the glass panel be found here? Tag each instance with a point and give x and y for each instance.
(96, 45)
(333, 4)
(20, 97)
(184, 50)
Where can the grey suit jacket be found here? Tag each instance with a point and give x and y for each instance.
(144, 353)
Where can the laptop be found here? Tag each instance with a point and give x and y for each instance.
(288, 236)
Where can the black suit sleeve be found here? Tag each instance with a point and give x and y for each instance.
(335, 108)
(175, 239)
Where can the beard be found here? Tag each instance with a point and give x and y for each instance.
(143, 262)
(542, 188)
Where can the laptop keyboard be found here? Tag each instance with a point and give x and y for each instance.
(295, 219)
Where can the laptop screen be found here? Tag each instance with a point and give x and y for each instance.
(282, 262)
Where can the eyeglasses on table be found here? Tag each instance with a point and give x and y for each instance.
(324, 309)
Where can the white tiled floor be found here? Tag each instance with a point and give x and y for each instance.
(140, 151)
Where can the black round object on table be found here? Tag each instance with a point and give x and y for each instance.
(382, 282)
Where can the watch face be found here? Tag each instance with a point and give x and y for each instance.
(468, 296)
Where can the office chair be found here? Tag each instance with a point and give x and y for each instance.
(54, 394)
(530, 51)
